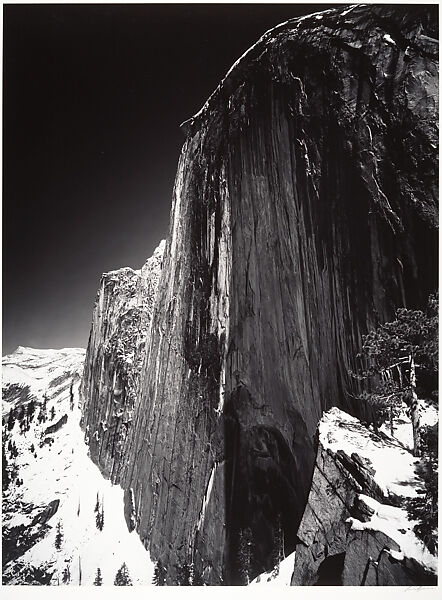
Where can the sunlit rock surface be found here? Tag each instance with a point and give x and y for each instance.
(114, 358)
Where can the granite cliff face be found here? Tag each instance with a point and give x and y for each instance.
(115, 353)
(304, 211)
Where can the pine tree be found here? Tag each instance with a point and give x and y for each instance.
(99, 519)
(160, 574)
(42, 416)
(122, 577)
(99, 514)
(98, 578)
(52, 413)
(14, 450)
(397, 353)
(66, 576)
(11, 419)
(6, 480)
(22, 417)
(31, 409)
(59, 536)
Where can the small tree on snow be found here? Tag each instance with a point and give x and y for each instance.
(43, 410)
(99, 514)
(11, 419)
(14, 450)
(99, 520)
(59, 536)
(122, 577)
(396, 353)
(98, 578)
(6, 479)
(31, 409)
(66, 577)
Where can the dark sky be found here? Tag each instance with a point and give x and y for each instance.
(93, 99)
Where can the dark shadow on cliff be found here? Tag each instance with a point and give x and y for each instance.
(264, 487)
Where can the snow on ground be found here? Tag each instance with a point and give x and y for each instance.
(395, 467)
(63, 471)
(394, 522)
(402, 428)
(284, 575)
(38, 368)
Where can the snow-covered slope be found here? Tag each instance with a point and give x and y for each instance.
(40, 369)
(281, 575)
(51, 531)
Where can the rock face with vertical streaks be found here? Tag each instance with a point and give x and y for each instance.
(114, 358)
(304, 212)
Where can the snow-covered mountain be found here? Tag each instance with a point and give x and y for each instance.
(61, 519)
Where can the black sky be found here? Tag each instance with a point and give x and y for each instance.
(93, 98)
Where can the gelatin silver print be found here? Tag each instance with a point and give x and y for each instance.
(220, 295)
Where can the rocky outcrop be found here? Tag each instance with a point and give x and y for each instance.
(304, 211)
(47, 513)
(115, 353)
(56, 426)
(355, 529)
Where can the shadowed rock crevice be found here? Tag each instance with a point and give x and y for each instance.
(330, 570)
